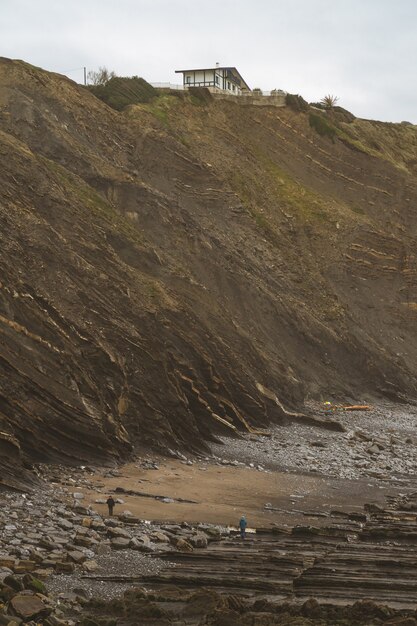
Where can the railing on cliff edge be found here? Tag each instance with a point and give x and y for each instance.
(250, 94)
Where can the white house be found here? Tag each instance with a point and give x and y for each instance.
(217, 79)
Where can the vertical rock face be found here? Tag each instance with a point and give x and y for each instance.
(156, 275)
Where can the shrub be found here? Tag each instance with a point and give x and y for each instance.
(120, 92)
(296, 102)
(200, 95)
(329, 101)
(101, 77)
(322, 126)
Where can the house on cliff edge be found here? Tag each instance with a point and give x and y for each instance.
(216, 79)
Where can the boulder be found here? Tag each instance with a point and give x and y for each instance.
(120, 543)
(9, 620)
(34, 584)
(97, 525)
(14, 583)
(43, 574)
(119, 532)
(183, 545)
(199, 540)
(136, 544)
(23, 566)
(28, 606)
(159, 537)
(143, 544)
(103, 548)
(213, 532)
(90, 566)
(77, 556)
(311, 608)
(6, 592)
(4, 571)
(63, 567)
(65, 524)
(83, 541)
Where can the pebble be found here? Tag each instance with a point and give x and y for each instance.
(379, 444)
(63, 543)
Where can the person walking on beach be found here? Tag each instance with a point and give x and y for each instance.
(242, 526)
(110, 504)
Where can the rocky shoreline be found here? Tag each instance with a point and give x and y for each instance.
(64, 561)
(71, 551)
(380, 443)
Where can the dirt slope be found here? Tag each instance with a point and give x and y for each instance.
(164, 264)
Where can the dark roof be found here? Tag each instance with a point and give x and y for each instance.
(208, 69)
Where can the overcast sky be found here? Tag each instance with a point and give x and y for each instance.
(363, 51)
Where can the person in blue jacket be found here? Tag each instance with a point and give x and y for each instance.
(242, 526)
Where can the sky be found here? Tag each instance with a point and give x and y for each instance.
(362, 51)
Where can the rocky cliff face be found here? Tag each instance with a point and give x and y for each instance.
(166, 268)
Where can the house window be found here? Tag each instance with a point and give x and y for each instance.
(188, 79)
(217, 80)
(228, 85)
(234, 88)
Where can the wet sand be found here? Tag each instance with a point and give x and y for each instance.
(222, 494)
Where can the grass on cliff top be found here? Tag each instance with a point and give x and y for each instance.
(395, 143)
(160, 107)
(322, 125)
(120, 92)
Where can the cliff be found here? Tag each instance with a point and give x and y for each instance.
(168, 268)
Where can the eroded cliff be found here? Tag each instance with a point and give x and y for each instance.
(165, 268)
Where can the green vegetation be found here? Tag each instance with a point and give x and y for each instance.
(356, 144)
(339, 113)
(161, 114)
(296, 197)
(329, 101)
(161, 106)
(395, 143)
(322, 126)
(34, 584)
(287, 193)
(200, 95)
(119, 92)
(100, 77)
(91, 199)
(296, 102)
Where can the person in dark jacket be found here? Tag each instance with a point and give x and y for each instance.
(110, 504)
(242, 526)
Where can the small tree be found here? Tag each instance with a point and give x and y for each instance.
(329, 102)
(100, 77)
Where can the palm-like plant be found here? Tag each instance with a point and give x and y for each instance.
(329, 102)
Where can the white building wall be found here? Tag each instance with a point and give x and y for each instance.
(207, 78)
(203, 78)
(228, 86)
